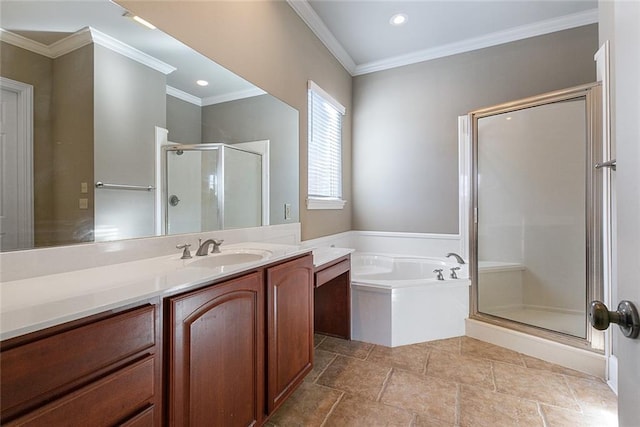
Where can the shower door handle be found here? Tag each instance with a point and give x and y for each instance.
(610, 164)
(626, 316)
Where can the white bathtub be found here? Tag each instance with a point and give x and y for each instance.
(397, 300)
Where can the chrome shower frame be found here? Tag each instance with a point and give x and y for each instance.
(595, 203)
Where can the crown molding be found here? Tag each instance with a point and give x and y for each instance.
(187, 97)
(518, 33)
(313, 21)
(24, 43)
(82, 38)
(232, 96)
(70, 43)
(212, 100)
(123, 49)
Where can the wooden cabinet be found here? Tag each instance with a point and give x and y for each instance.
(289, 328)
(332, 293)
(237, 349)
(216, 354)
(233, 352)
(99, 371)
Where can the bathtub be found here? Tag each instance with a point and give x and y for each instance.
(397, 300)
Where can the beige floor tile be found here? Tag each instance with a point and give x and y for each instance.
(430, 397)
(543, 386)
(450, 344)
(354, 412)
(475, 348)
(308, 406)
(594, 396)
(534, 363)
(357, 349)
(408, 357)
(356, 377)
(425, 421)
(321, 360)
(479, 407)
(558, 417)
(317, 339)
(460, 369)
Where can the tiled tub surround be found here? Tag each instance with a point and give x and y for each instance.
(453, 382)
(34, 303)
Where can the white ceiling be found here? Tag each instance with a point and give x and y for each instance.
(359, 35)
(47, 21)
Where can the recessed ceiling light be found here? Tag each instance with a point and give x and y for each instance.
(509, 118)
(202, 83)
(398, 19)
(140, 20)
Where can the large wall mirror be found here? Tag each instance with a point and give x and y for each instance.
(91, 98)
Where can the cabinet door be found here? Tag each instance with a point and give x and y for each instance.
(216, 355)
(290, 328)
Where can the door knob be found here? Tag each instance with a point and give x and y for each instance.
(626, 316)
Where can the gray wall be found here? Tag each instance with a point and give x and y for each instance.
(129, 101)
(72, 134)
(405, 135)
(184, 121)
(245, 120)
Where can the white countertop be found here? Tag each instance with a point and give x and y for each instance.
(36, 303)
(324, 255)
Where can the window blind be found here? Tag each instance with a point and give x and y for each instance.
(325, 145)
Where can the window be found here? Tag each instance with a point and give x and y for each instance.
(324, 189)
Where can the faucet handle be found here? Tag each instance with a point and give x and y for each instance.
(439, 271)
(186, 254)
(453, 274)
(216, 246)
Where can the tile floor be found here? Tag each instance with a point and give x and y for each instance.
(454, 382)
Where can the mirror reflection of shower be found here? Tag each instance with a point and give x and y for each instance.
(212, 186)
(536, 201)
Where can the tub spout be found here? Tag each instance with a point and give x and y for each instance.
(457, 257)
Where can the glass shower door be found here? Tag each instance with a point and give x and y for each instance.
(533, 209)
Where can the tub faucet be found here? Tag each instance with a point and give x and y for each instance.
(439, 276)
(457, 257)
(203, 247)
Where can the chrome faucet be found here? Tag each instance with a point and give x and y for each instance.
(457, 257)
(203, 247)
(439, 276)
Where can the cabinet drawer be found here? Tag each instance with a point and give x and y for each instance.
(144, 418)
(106, 402)
(325, 275)
(38, 371)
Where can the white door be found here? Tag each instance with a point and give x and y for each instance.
(626, 115)
(16, 192)
(9, 165)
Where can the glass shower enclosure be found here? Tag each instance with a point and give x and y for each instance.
(210, 187)
(536, 217)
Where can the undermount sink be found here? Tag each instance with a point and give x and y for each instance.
(229, 258)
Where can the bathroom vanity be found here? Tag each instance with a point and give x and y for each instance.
(190, 344)
(332, 292)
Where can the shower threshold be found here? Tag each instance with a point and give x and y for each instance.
(559, 321)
